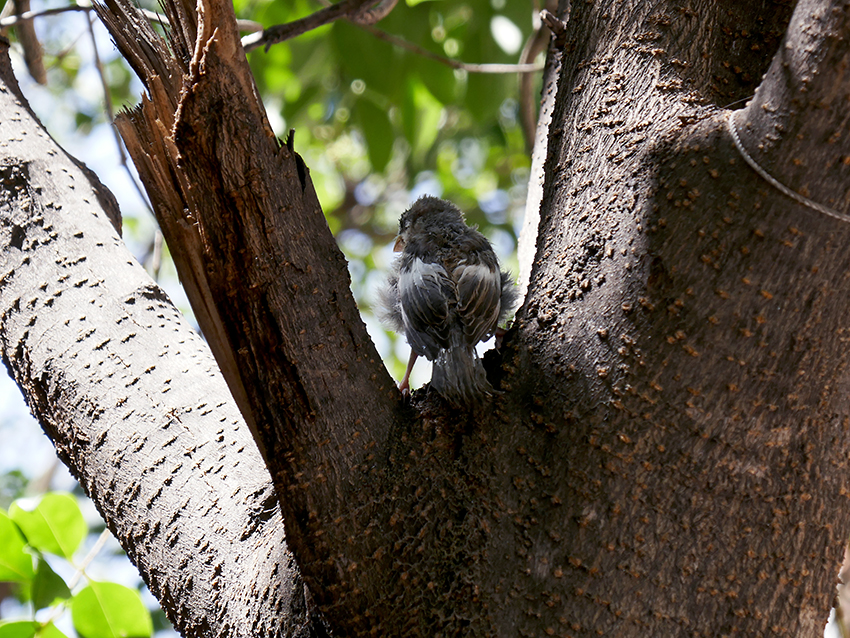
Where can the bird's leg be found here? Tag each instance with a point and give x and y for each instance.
(404, 385)
(499, 333)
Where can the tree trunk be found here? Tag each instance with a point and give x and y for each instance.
(686, 322)
(668, 453)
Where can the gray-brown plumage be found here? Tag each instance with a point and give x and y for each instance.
(446, 293)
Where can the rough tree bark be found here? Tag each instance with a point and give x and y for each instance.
(131, 396)
(668, 455)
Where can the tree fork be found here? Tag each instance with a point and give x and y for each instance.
(250, 241)
(668, 455)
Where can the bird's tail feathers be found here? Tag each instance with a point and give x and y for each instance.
(459, 376)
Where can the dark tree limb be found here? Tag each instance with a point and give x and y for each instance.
(271, 292)
(797, 127)
(698, 373)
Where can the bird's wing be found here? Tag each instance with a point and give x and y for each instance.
(425, 290)
(479, 292)
(388, 307)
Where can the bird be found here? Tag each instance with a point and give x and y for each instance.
(445, 292)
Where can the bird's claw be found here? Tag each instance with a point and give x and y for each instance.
(499, 335)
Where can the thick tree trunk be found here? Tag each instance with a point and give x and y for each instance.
(686, 326)
(668, 453)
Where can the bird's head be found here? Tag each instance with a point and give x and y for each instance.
(428, 215)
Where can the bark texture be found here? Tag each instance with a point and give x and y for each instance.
(132, 398)
(689, 322)
(273, 295)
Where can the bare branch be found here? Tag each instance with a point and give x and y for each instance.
(376, 13)
(276, 34)
(33, 53)
(270, 290)
(110, 112)
(114, 429)
(281, 32)
(455, 64)
(244, 26)
(528, 100)
(30, 15)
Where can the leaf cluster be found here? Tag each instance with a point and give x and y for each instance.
(53, 525)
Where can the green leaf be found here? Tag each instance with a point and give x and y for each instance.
(378, 132)
(440, 80)
(421, 114)
(18, 629)
(29, 629)
(48, 588)
(110, 610)
(49, 631)
(363, 56)
(484, 92)
(52, 524)
(15, 563)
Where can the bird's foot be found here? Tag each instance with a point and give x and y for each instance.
(499, 334)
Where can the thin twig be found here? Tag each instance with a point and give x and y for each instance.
(30, 44)
(376, 13)
(528, 97)
(29, 15)
(244, 26)
(110, 111)
(281, 32)
(93, 552)
(259, 37)
(455, 64)
(81, 570)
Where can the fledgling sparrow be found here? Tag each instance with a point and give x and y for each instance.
(445, 293)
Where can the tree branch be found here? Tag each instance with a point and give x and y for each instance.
(796, 126)
(270, 290)
(33, 53)
(31, 15)
(279, 33)
(131, 398)
(256, 40)
(454, 64)
(245, 26)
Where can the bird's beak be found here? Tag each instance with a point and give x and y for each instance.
(398, 246)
